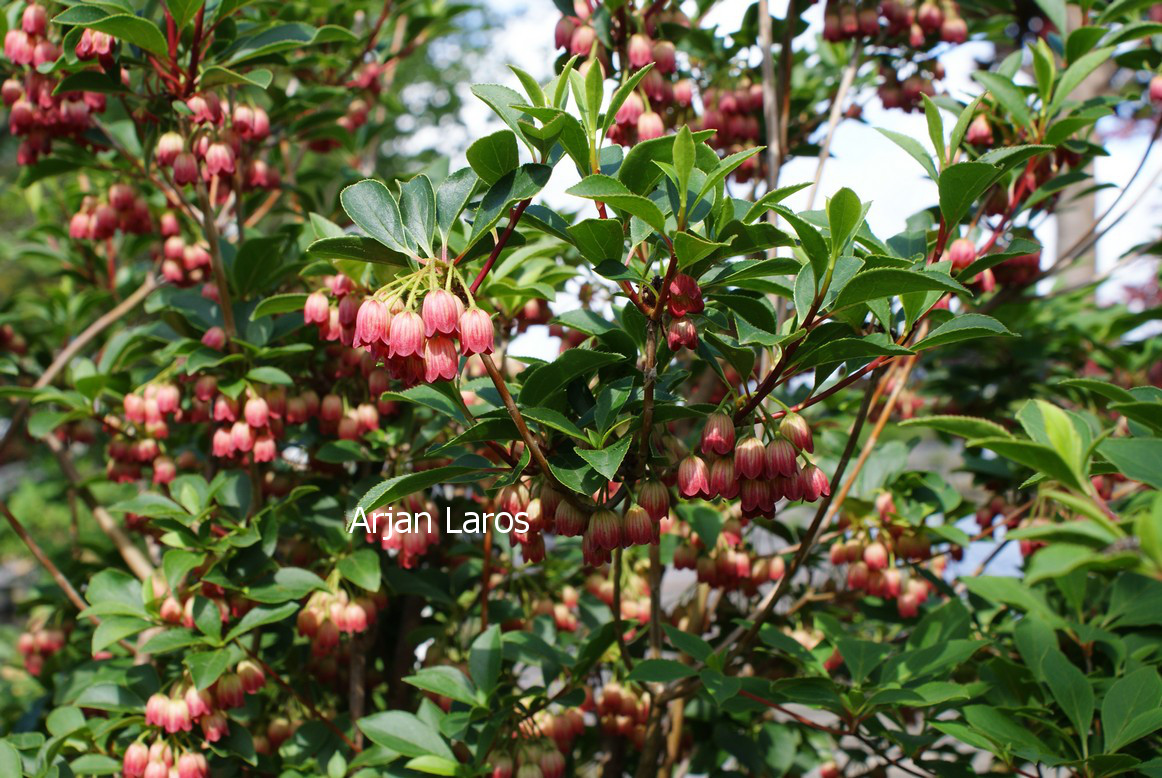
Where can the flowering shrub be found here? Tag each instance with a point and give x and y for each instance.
(328, 520)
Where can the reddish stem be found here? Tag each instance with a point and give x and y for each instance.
(512, 221)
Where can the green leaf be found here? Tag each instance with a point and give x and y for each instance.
(1038, 457)
(691, 248)
(964, 426)
(843, 349)
(607, 460)
(688, 644)
(1132, 708)
(432, 765)
(962, 121)
(772, 198)
(683, 156)
(184, 11)
(544, 381)
(131, 29)
(964, 327)
(400, 486)
(1077, 72)
(890, 281)
(844, 216)
(358, 248)
(260, 617)
(935, 128)
(620, 96)
(114, 628)
(514, 186)
(267, 374)
(417, 205)
(1008, 94)
(445, 681)
(405, 733)
(599, 240)
(207, 666)
(10, 763)
(494, 155)
(862, 656)
(961, 184)
(725, 168)
(1135, 458)
(451, 197)
(659, 671)
(914, 148)
(813, 246)
(532, 88)
(1071, 689)
(501, 99)
(279, 303)
(373, 209)
(484, 659)
(216, 75)
(602, 188)
(362, 569)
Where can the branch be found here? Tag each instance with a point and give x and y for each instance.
(74, 346)
(768, 606)
(132, 555)
(833, 121)
(617, 624)
(488, 263)
(70, 592)
(523, 428)
(195, 50)
(210, 228)
(310, 706)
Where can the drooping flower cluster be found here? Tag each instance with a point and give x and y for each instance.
(38, 644)
(36, 112)
(414, 345)
(327, 616)
(122, 210)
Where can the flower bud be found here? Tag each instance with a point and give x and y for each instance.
(781, 458)
(371, 324)
(316, 310)
(650, 126)
(476, 333)
(228, 691)
(980, 133)
(750, 458)
(962, 253)
(631, 110)
(685, 296)
(640, 529)
(135, 761)
(582, 41)
(406, 335)
(605, 529)
(640, 51)
(724, 478)
(441, 312)
(693, 477)
(655, 498)
(682, 332)
(440, 360)
(794, 428)
(257, 412)
(570, 521)
(718, 434)
(814, 483)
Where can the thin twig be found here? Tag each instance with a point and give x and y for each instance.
(833, 121)
(74, 346)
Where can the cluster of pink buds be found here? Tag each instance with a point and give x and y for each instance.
(757, 475)
(215, 150)
(622, 713)
(562, 727)
(158, 761)
(123, 210)
(148, 413)
(846, 19)
(414, 347)
(563, 613)
(35, 112)
(660, 101)
(409, 533)
(734, 115)
(37, 645)
(277, 732)
(329, 615)
(255, 426)
(685, 297)
(872, 564)
(908, 93)
(182, 263)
